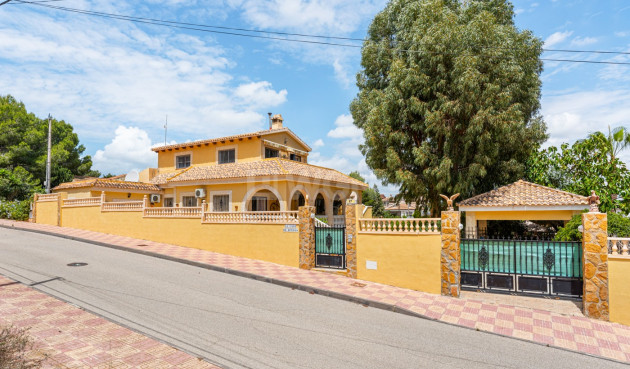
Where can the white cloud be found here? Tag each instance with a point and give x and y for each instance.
(583, 41)
(622, 34)
(341, 73)
(345, 128)
(557, 37)
(260, 94)
(91, 74)
(317, 144)
(129, 149)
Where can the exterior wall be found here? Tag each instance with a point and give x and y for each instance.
(246, 150)
(47, 212)
(119, 196)
(266, 242)
(522, 215)
(619, 289)
(407, 261)
(79, 193)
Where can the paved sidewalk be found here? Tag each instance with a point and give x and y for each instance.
(571, 332)
(73, 338)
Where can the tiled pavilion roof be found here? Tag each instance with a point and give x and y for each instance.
(108, 183)
(523, 193)
(261, 168)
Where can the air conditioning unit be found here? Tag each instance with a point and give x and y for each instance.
(200, 192)
(155, 198)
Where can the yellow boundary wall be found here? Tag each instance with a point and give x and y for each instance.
(266, 242)
(619, 289)
(407, 261)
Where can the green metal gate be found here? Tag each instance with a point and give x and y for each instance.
(330, 247)
(522, 266)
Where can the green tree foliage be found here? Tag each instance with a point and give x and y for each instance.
(618, 226)
(17, 184)
(23, 143)
(356, 175)
(372, 197)
(448, 97)
(589, 164)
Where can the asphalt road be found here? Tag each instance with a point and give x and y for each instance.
(237, 322)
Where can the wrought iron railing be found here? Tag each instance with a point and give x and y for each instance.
(180, 212)
(523, 257)
(123, 206)
(47, 197)
(258, 217)
(86, 201)
(400, 225)
(619, 246)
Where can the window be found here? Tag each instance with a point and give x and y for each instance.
(295, 157)
(271, 153)
(227, 156)
(168, 202)
(182, 161)
(189, 201)
(259, 203)
(221, 203)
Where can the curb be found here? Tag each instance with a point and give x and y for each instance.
(300, 287)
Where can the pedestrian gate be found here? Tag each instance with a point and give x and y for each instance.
(330, 247)
(522, 266)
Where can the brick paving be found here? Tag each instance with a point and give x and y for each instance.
(73, 338)
(573, 332)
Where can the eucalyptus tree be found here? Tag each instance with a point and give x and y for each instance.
(448, 97)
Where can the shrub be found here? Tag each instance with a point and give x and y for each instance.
(618, 226)
(17, 210)
(16, 350)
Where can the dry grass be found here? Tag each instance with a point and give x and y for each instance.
(16, 350)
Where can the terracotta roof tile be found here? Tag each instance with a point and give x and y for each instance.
(267, 167)
(523, 193)
(234, 137)
(108, 183)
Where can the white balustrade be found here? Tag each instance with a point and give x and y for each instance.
(181, 212)
(122, 206)
(399, 225)
(86, 201)
(619, 246)
(47, 197)
(320, 223)
(256, 217)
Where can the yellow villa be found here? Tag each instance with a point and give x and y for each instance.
(265, 171)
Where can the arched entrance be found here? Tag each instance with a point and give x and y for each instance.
(320, 205)
(298, 199)
(263, 198)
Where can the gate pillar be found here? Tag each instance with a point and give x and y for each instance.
(595, 246)
(306, 216)
(351, 238)
(450, 255)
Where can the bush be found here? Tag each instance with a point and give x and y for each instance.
(618, 226)
(17, 210)
(16, 350)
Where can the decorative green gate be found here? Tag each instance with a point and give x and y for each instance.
(522, 266)
(330, 247)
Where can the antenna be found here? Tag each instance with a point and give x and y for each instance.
(165, 129)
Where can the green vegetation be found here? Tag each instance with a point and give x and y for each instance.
(23, 150)
(448, 98)
(16, 350)
(618, 226)
(589, 164)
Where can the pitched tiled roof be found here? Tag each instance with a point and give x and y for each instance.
(227, 138)
(402, 205)
(108, 183)
(523, 193)
(260, 168)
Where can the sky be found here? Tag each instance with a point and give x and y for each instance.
(117, 82)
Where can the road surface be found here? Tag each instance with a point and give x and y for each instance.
(237, 322)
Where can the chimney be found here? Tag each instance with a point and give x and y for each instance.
(269, 120)
(276, 121)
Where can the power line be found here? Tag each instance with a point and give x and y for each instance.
(261, 34)
(4, 2)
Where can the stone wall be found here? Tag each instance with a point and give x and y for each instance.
(450, 254)
(351, 239)
(595, 248)
(306, 215)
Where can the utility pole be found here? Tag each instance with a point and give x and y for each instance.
(48, 160)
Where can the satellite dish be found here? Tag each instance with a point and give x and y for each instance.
(132, 176)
